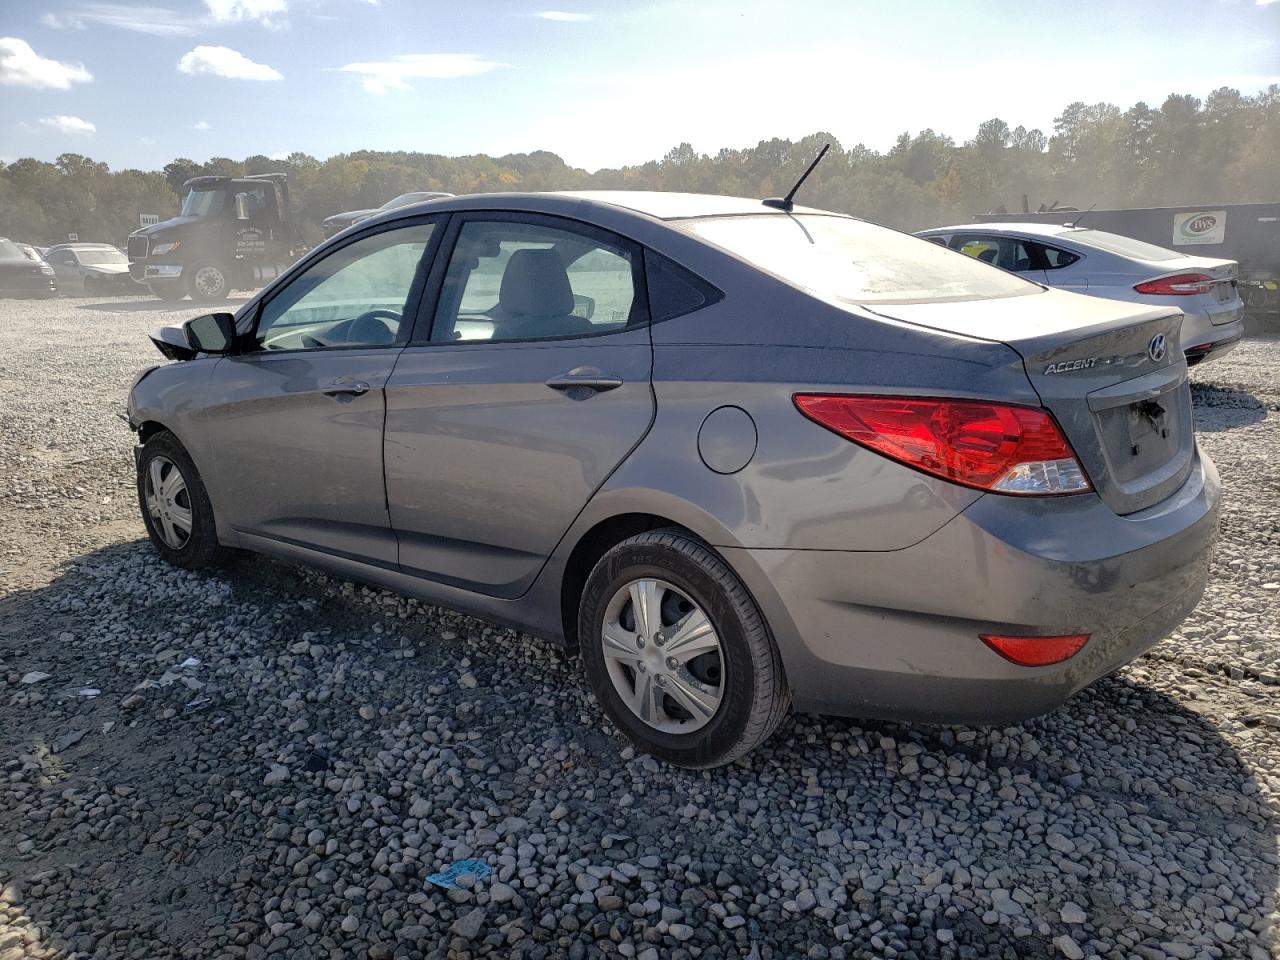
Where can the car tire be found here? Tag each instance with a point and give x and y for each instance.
(691, 580)
(208, 281)
(170, 292)
(90, 287)
(198, 549)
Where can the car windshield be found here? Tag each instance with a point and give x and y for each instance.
(202, 203)
(1124, 246)
(10, 250)
(100, 257)
(855, 261)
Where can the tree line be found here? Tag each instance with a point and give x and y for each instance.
(1224, 149)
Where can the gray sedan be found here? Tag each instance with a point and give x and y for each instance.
(1103, 264)
(740, 458)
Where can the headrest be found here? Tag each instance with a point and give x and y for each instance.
(535, 284)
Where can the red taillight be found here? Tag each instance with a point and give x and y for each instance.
(1036, 651)
(991, 446)
(1179, 285)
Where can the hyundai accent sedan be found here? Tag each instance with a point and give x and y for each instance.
(1102, 264)
(742, 459)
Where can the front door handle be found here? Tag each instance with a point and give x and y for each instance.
(345, 386)
(581, 381)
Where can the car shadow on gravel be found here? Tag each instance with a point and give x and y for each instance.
(1218, 408)
(166, 828)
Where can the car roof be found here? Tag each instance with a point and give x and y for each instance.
(655, 204)
(77, 245)
(1022, 227)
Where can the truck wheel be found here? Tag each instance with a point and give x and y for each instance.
(171, 292)
(208, 280)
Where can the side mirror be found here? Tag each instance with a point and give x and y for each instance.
(583, 307)
(211, 333)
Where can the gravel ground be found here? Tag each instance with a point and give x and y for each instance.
(275, 760)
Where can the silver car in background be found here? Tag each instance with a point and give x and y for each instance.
(739, 457)
(90, 269)
(1103, 264)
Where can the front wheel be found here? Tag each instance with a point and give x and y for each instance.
(208, 281)
(176, 507)
(677, 653)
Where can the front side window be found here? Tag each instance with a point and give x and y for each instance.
(520, 281)
(852, 260)
(354, 297)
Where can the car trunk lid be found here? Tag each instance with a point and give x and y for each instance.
(1110, 372)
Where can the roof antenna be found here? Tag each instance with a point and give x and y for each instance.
(1074, 223)
(784, 203)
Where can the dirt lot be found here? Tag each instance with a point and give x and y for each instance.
(275, 760)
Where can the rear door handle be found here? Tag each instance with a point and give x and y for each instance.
(345, 386)
(598, 382)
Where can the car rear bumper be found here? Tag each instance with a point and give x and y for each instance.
(896, 634)
(1205, 341)
(34, 286)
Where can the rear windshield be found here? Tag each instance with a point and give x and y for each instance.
(855, 261)
(9, 250)
(1124, 246)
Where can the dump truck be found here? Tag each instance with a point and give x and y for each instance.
(232, 233)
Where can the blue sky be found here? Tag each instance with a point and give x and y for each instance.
(601, 84)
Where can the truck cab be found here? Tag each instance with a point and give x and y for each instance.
(231, 233)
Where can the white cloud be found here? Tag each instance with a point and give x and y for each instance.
(156, 21)
(20, 66)
(1263, 3)
(281, 154)
(564, 16)
(70, 125)
(379, 76)
(268, 12)
(147, 140)
(201, 125)
(225, 62)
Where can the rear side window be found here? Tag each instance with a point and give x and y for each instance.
(1056, 258)
(855, 261)
(673, 290)
(1007, 253)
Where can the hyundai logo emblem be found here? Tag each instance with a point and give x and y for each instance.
(1157, 349)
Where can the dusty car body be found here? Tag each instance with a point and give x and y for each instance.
(24, 273)
(90, 269)
(769, 457)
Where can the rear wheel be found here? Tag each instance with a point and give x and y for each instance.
(677, 653)
(172, 291)
(175, 506)
(208, 280)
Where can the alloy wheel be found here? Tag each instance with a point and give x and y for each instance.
(663, 656)
(168, 502)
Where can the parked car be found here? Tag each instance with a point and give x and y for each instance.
(340, 221)
(1108, 265)
(738, 458)
(22, 274)
(91, 269)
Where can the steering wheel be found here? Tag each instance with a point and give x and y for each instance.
(369, 327)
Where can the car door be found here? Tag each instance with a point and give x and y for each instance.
(66, 269)
(1007, 253)
(528, 387)
(295, 420)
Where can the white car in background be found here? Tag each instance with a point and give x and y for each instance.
(1108, 265)
(90, 269)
